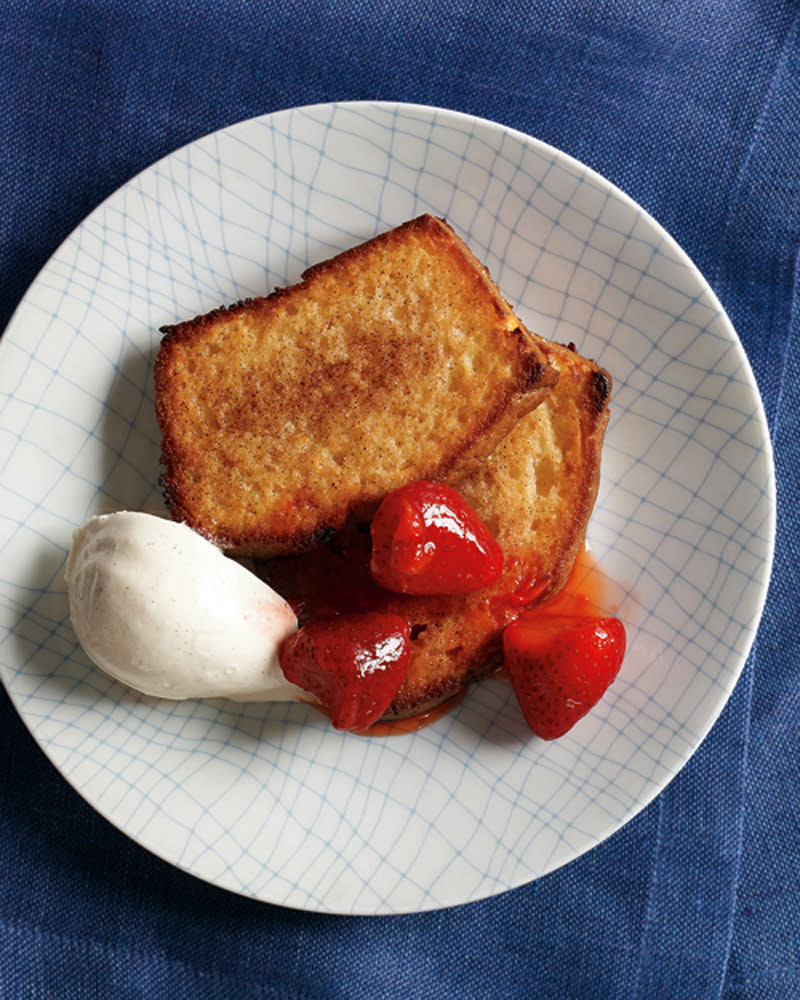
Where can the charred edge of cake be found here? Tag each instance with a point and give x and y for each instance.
(187, 328)
(600, 389)
(600, 384)
(263, 545)
(536, 372)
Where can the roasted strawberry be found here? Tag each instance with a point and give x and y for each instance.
(426, 539)
(561, 666)
(354, 664)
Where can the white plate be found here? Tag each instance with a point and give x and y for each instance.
(270, 802)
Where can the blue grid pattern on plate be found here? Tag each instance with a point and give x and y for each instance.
(268, 801)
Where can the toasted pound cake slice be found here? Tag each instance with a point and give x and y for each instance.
(394, 361)
(536, 492)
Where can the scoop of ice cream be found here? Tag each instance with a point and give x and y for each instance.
(160, 608)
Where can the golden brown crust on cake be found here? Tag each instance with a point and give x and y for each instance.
(396, 360)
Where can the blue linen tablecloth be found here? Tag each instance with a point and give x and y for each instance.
(693, 109)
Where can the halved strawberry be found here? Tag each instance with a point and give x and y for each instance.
(426, 539)
(560, 666)
(353, 663)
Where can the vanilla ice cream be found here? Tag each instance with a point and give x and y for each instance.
(161, 609)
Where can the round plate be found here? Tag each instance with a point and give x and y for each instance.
(269, 801)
